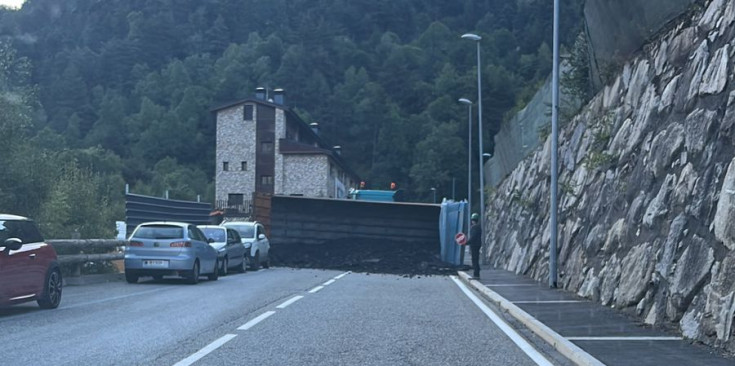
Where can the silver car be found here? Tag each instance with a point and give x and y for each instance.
(254, 240)
(163, 248)
(231, 252)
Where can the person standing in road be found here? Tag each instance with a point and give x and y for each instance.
(475, 243)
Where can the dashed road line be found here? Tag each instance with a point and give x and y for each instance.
(226, 338)
(631, 338)
(257, 320)
(526, 347)
(289, 302)
(206, 350)
(316, 289)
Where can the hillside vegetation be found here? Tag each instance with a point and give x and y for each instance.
(95, 94)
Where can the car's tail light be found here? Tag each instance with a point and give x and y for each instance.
(181, 244)
(136, 244)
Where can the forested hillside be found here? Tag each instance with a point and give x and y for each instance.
(95, 94)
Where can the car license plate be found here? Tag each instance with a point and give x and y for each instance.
(155, 264)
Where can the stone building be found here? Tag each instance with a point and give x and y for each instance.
(264, 147)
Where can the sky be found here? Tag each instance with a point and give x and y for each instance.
(12, 3)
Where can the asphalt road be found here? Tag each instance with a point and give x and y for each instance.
(278, 316)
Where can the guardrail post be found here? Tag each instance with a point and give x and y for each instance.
(77, 270)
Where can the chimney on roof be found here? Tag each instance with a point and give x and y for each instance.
(315, 127)
(337, 149)
(279, 96)
(260, 93)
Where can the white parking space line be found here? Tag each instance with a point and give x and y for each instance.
(526, 347)
(632, 338)
(257, 320)
(315, 289)
(509, 284)
(342, 275)
(289, 302)
(206, 350)
(547, 302)
(328, 283)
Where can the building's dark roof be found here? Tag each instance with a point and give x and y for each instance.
(295, 147)
(324, 148)
(291, 147)
(248, 100)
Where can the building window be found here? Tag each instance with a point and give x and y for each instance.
(266, 180)
(225, 166)
(247, 114)
(266, 147)
(235, 199)
(244, 166)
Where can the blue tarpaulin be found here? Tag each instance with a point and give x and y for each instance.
(452, 220)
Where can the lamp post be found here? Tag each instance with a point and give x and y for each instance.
(469, 155)
(554, 149)
(434, 191)
(476, 38)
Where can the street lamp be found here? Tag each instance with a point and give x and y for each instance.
(434, 191)
(476, 38)
(469, 155)
(554, 150)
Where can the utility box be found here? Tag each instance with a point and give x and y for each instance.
(376, 195)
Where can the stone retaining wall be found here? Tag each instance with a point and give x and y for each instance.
(646, 188)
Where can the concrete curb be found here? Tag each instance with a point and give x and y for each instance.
(561, 344)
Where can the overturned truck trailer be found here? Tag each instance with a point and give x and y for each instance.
(368, 236)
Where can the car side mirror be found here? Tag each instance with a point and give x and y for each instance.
(12, 243)
(261, 236)
(210, 240)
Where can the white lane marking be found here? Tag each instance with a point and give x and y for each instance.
(289, 302)
(342, 275)
(328, 283)
(206, 350)
(632, 338)
(526, 347)
(315, 289)
(547, 302)
(257, 320)
(509, 284)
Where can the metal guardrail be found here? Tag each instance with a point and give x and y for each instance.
(74, 253)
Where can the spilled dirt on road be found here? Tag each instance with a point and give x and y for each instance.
(365, 255)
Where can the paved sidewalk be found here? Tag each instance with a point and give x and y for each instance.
(586, 332)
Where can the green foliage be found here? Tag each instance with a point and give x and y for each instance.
(78, 204)
(598, 160)
(576, 81)
(136, 80)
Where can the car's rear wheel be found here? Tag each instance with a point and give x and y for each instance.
(244, 265)
(215, 272)
(131, 277)
(51, 297)
(255, 264)
(224, 268)
(193, 277)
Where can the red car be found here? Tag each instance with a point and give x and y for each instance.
(28, 267)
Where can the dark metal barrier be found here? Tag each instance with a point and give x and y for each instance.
(304, 221)
(139, 209)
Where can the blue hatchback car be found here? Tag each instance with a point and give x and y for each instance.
(165, 248)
